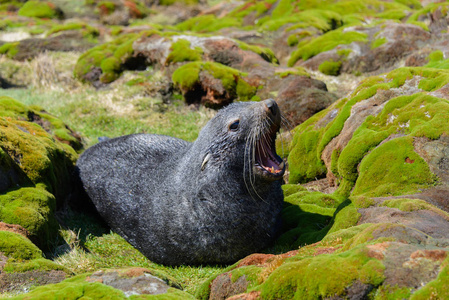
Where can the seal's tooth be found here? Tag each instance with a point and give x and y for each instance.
(281, 165)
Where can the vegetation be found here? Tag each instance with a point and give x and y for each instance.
(63, 102)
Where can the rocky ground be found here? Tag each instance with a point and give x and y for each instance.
(364, 86)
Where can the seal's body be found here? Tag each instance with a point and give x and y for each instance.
(215, 200)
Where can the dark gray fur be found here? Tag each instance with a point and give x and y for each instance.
(153, 191)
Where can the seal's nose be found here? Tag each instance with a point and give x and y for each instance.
(271, 106)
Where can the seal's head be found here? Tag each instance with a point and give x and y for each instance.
(241, 139)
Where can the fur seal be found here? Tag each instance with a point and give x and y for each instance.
(215, 200)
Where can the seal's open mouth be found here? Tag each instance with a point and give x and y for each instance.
(267, 160)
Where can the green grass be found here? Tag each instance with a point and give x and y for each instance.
(88, 112)
(94, 247)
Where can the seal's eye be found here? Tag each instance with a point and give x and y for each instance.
(234, 125)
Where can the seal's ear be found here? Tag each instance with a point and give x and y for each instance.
(205, 160)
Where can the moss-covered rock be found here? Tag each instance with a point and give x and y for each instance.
(86, 30)
(409, 115)
(33, 209)
(107, 59)
(330, 67)
(327, 41)
(18, 247)
(137, 50)
(117, 284)
(40, 9)
(36, 166)
(212, 84)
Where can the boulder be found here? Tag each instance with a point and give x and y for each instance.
(385, 47)
(37, 159)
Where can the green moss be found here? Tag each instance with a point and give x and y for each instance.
(300, 279)
(302, 227)
(395, 14)
(207, 23)
(416, 115)
(334, 162)
(362, 201)
(365, 235)
(363, 140)
(16, 110)
(171, 294)
(40, 264)
(434, 79)
(109, 57)
(41, 158)
(436, 56)
(32, 208)
(17, 247)
(420, 24)
(170, 2)
(325, 42)
(378, 42)
(386, 170)
(431, 7)
(187, 76)
(226, 74)
(344, 235)
(87, 30)
(344, 52)
(298, 71)
(252, 7)
(9, 49)
(290, 189)
(437, 64)
(413, 205)
(181, 51)
(366, 8)
(437, 288)
(345, 217)
(78, 288)
(292, 40)
(203, 290)
(330, 67)
(38, 9)
(264, 52)
(323, 20)
(251, 273)
(309, 140)
(316, 198)
(107, 7)
(303, 162)
(110, 68)
(307, 216)
(44, 166)
(415, 4)
(244, 90)
(392, 293)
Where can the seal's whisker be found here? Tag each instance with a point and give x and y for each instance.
(255, 138)
(247, 163)
(286, 123)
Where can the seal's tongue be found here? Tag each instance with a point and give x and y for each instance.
(267, 158)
